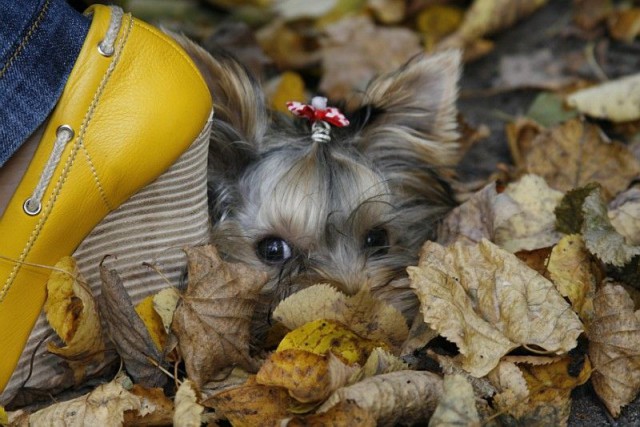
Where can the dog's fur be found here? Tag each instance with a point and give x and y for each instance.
(268, 179)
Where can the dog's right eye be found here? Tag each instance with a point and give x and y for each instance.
(273, 250)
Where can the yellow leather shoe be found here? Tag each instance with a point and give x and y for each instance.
(132, 107)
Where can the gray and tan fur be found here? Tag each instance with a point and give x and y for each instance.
(354, 212)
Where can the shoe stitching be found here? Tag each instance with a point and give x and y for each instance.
(103, 193)
(26, 38)
(69, 163)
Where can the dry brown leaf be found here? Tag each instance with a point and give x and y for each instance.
(212, 323)
(71, 311)
(155, 407)
(379, 362)
(616, 100)
(536, 260)
(411, 396)
(286, 87)
(252, 405)
(624, 213)
(624, 24)
(472, 221)
(129, 334)
(366, 315)
(351, 54)
(588, 14)
(614, 348)
(520, 135)
(450, 366)
(419, 336)
(485, 17)
(511, 385)
(287, 47)
(437, 21)
(575, 274)
(188, 410)
(457, 406)
(308, 377)
(104, 406)
(343, 414)
(524, 217)
(488, 302)
(575, 153)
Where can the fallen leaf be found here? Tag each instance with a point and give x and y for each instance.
(436, 21)
(520, 135)
(72, 313)
(387, 11)
(104, 406)
(524, 216)
(600, 236)
(390, 398)
(511, 385)
(472, 221)
(252, 404)
(152, 321)
(588, 14)
(617, 100)
(614, 348)
(482, 387)
(322, 336)
(488, 302)
(624, 24)
(419, 336)
(366, 315)
(379, 362)
(569, 216)
(286, 87)
(548, 110)
(135, 346)
(287, 47)
(165, 303)
(155, 407)
(218, 305)
(188, 410)
(308, 377)
(343, 414)
(4, 418)
(457, 406)
(351, 54)
(485, 17)
(575, 153)
(575, 274)
(536, 260)
(624, 214)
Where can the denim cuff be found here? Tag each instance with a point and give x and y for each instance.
(39, 43)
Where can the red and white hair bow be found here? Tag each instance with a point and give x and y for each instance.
(318, 112)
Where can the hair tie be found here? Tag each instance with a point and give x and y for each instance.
(320, 116)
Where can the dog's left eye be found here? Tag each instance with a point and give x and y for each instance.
(377, 239)
(273, 250)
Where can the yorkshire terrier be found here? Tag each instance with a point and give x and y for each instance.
(351, 208)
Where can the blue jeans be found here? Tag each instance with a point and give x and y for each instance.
(39, 43)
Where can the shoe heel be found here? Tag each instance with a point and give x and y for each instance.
(151, 227)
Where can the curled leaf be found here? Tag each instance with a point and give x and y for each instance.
(457, 405)
(615, 100)
(488, 302)
(393, 397)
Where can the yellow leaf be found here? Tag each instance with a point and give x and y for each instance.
(152, 321)
(614, 100)
(437, 21)
(252, 404)
(624, 24)
(323, 336)
(71, 311)
(287, 87)
(488, 302)
(4, 419)
(575, 274)
(308, 377)
(366, 315)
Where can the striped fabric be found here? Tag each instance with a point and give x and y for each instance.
(151, 227)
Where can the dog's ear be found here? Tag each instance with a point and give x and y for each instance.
(413, 113)
(407, 127)
(240, 122)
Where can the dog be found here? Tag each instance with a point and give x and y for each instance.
(352, 211)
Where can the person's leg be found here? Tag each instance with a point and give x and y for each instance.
(132, 107)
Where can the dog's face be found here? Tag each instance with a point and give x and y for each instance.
(352, 212)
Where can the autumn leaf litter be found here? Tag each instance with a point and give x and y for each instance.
(524, 296)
